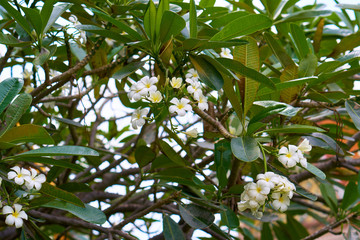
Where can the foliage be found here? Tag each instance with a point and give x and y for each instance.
(153, 120)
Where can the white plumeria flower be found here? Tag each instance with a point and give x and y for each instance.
(176, 82)
(28, 89)
(258, 191)
(192, 73)
(192, 133)
(155, 97)
(269, 177)
(34, 180)
(138, 117)
(289, 156)
(280, 201)
(149, 84)
(18, 174)
(305, 146)
(302, 159)
(195, 89)
(136, 91)
(181, 107)
(191, 81)
(226, 53)
(16, 215)
(202, 102)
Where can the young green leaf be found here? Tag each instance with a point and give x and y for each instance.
(299, 40)
(144, 155)
(150, 20)
(56, 12)
(17, 16)
(27, 133)
(33, 15)
(171, 25)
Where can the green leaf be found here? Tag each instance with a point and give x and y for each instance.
(87, 213)
(59, 151)
(242, 26)
(9, 88)
(229, 218)
(60, 194)
(68, 121)
(104, 32)
(42, 57)
(177, 174)
(248, 55)
(9, 40)
(192, 19)
(273, 107)
(171, 229)
(27, 133)
(301, 191)
(50, 161)
(17, 16)
(303, 15)
(295, 129)
(296, 229)
(233, 98)
(350, 195)
(128, 69)
(15, 111)
(347, 43)
(34, 16)
(163, 6)
(171, 25)
(278, 51)
(222, 161)
(57, 11)
(308, 66)
(299, 40)
(266, 233)
(240, 68)
(46, 11)
(196, 216)
(329, 195)
(122, 26)
(150, 20)
(316, 171)
(207, 72)
(355, 7)
(144, 155)
(75, 187)
(353, 110)
(245, 148)
(218, 230)
(171, 154)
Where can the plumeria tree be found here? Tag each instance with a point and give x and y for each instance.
(131, 119)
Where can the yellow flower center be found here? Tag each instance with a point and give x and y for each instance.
(19, 175)
(258, 189)
(180, 106)
(288, 155)
(281, 199)
(15, 214)
(138, 116)
(267, 179)
(148, 85)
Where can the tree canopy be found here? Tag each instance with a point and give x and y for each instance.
(132, 119)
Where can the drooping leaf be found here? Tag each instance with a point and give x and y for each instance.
(27, 133)
(171, 229)
(245, 148)
(229, 218)
(207, 72)
(243, 26)
(87, 213)
(55, 192)
(9, 88)
(196, 216)
(353, 110)
(15, 111)
(316, 171)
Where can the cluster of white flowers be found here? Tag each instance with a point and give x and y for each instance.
(291, 155)
(143, 88)
(194, 88)
(31, 178)
(270, 187)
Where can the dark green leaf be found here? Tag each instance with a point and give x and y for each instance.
(33, 15)
(150, 20)
(239, 68)
(17, 16)
(329, 195)
(68, 122)
(9, 40)
(27, 133)
(242, 26)
(222, 161)
(192, 19)
(50, 161)
(308, 66)
(57, 11)
(351, 195)
(144, 155)
(299, 40)
(266, 233)
(304, 193)
(207, 72)
(128, 69)
(60, 194)
(171, 229)
(8, 90)
(278, 51)
(87, 213)
(229, 218)
(171, 25)
(303, 15)
(59, 151)
(295, 129)
(196, 216)
(171, 154)
(245, 148)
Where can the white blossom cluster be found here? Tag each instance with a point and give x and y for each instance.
(146, 89)
(269, 188)
(31, 180)
(291, 155)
